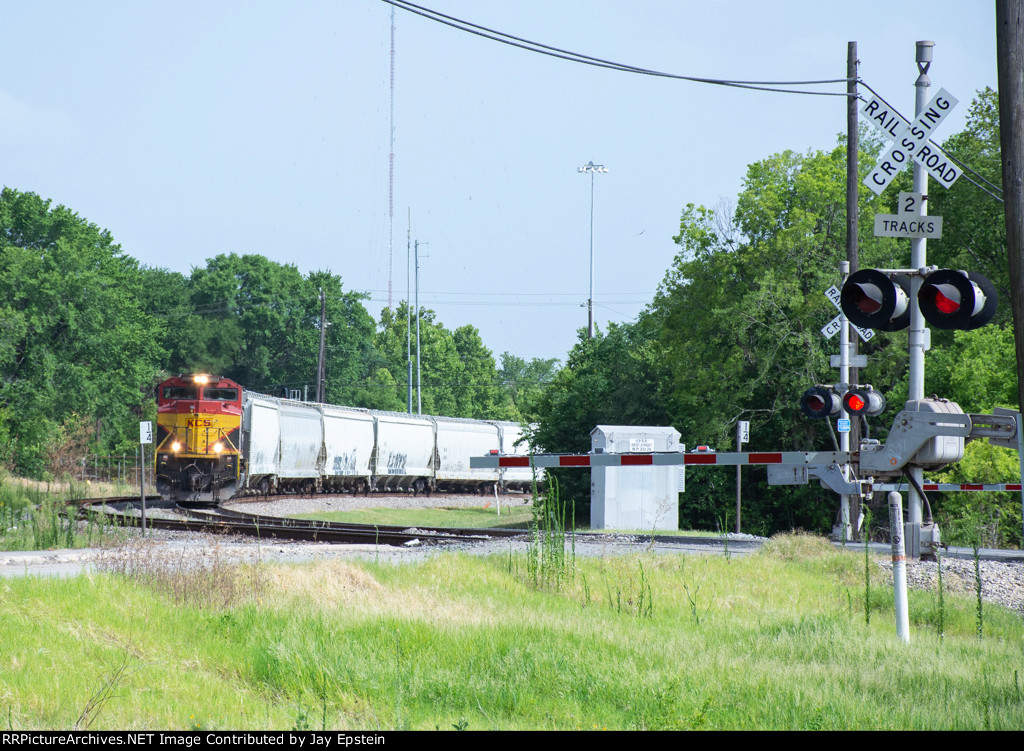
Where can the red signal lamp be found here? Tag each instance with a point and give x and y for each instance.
(820, 402)
(863, 400)
(957, 299)
(874, 300)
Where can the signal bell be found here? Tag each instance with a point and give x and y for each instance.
(863, 400)
(957, 300)
(872, 300)
(820, 402)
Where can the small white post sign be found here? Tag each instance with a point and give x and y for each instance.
(908, 221)
(145, 436)
(743, 431)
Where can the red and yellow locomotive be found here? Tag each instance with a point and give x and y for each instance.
(198, 421)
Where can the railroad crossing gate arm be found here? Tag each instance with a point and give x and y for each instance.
(784, 467)
(830, 476)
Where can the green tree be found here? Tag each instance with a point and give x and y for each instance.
(480, 395)
(740, 313)
(75, 346)
(258, 322)
(973, 226)
(524, 382)
(457, 371)
(612, 379)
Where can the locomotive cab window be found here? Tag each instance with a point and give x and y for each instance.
(220, 395)
(180, 392)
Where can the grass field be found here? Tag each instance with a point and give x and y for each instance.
(775, 640)
(513, 516)
(517, 516)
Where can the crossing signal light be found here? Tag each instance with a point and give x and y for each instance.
(873, 300)
(820, 402)
(863, 400)
(957, 299)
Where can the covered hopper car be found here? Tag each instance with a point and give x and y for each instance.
(211, 447)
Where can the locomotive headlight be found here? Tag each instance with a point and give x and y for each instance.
(175, 446)
(202, 379)
(218, 447)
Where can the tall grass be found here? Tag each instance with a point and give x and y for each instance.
(457, 641)
(552, 528)
(32, 519)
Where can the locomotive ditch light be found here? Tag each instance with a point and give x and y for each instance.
(175, 446)
(952, 299)
(820, 402)
(863, 400)
(873, 300)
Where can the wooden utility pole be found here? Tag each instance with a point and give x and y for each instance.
(1010, 64)
(852, 231)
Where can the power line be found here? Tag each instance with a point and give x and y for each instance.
(771, 86)
(576, 57)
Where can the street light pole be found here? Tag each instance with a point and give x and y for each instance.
(592, 169)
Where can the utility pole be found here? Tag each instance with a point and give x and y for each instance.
(321, 371)
(852, 503)
(419, 384)
(408, 313)
(1010, 67)
(591, 169)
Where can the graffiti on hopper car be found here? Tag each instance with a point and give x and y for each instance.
(396, 463)
(345, 464)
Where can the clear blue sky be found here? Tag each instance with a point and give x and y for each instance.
(198, 128)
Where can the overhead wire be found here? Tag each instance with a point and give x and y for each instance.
(770, 86)
(557, 52)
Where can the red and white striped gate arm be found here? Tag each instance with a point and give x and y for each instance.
(663, 459)
(949, 486)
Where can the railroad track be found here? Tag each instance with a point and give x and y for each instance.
(126, 512)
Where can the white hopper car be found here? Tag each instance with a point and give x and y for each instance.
(289, 446)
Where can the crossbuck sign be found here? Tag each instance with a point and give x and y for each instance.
(910, 141)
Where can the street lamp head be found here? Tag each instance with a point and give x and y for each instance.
(591, 168)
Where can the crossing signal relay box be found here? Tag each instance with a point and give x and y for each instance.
(942, 449)
(928, 433)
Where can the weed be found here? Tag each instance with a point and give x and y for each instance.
(867, 568)
(692, 585)
(977, 587)
(401, 722)
(547, 564)
(637, 599)
(645, 601)
(301, 721)
(942, 601)
(104, 693)
(203, 577)
(724, 535)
